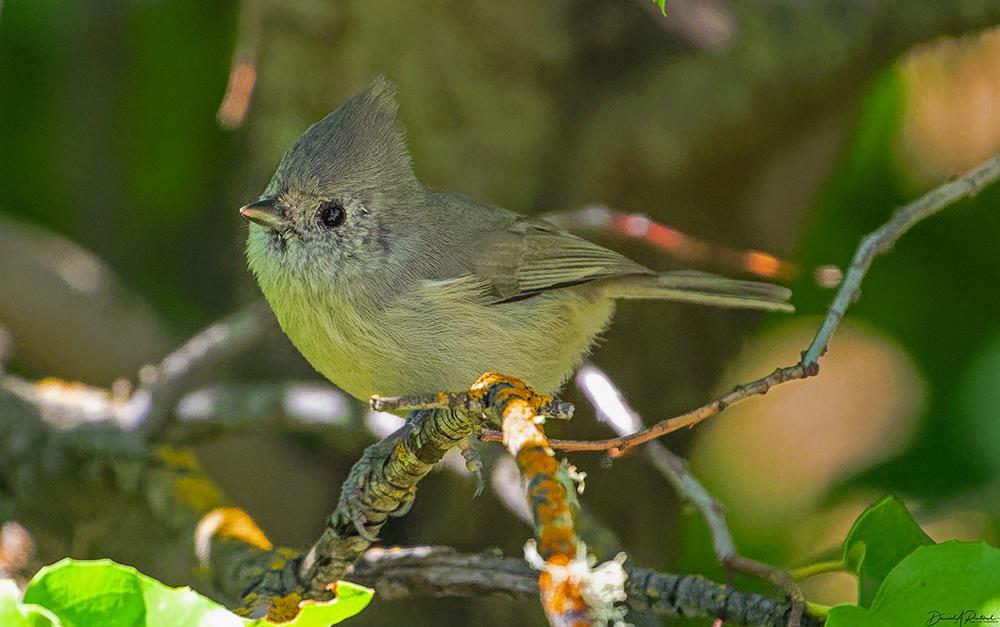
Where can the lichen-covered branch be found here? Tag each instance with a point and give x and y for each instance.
(403, 572)
(566, 583)
(552, 501)
(380, 484)
(397, 573)
(179, 496)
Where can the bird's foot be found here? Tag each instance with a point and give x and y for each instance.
(352, 507)
(494, 391)
(473, 462)
(488, 397)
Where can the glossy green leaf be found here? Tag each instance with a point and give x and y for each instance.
(880, 538)
(662, 4)
(92, 593)
(14, 613)
(948, 584)
(351, 599)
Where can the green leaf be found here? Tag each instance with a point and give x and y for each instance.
(938, 584)
(662, 4)
(351, 599)
(882, 535)
(13, 613)
(103, 593)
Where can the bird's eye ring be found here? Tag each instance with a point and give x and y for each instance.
(331, 214)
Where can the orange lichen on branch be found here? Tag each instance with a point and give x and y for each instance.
(231, 523)
(550, 500)
(490, 393)
(562, 598)
(573, 591)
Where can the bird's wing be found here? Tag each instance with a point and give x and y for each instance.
(532, 256)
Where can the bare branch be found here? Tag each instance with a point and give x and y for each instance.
(871, 246)
(613, 409)
(161, 386)
(679, 245)
(290, 407)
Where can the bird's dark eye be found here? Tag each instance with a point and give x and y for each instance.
(331, 214)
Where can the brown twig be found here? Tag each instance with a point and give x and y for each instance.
(614, 410)
(681, 246)
(871, 246)
(243, 74)
(616, 447)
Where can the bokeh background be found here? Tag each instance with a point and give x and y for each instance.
(785, 126)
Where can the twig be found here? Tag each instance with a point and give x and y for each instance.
(871, 246)
(161, 386)
(885, 237)
(289, 407)
(243, 74)
(613, 409)
(679, 245)
(616, 447)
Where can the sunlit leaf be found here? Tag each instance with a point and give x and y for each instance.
(351, 599)
(881, 537)
(949, 583)
(13, 613)
(85, 593)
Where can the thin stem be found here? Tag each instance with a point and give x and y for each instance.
(876, 243)
(819, 568)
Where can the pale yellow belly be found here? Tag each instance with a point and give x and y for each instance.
(425, 343)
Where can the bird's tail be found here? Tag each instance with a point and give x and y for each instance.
(700, 288)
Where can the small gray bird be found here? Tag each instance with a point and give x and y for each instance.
(389, 287)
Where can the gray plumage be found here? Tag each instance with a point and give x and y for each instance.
(389, 287)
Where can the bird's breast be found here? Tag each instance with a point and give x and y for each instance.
(432, 339)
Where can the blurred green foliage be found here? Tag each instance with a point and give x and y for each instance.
(932, 293)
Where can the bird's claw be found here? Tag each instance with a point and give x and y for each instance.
(351, 506)
(473, 462)
(359, 525)
(405, 505)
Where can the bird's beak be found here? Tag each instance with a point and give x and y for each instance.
(265, 213)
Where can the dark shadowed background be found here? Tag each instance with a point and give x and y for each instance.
(785, 126)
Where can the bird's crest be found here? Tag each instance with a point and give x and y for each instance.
(360, 142)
